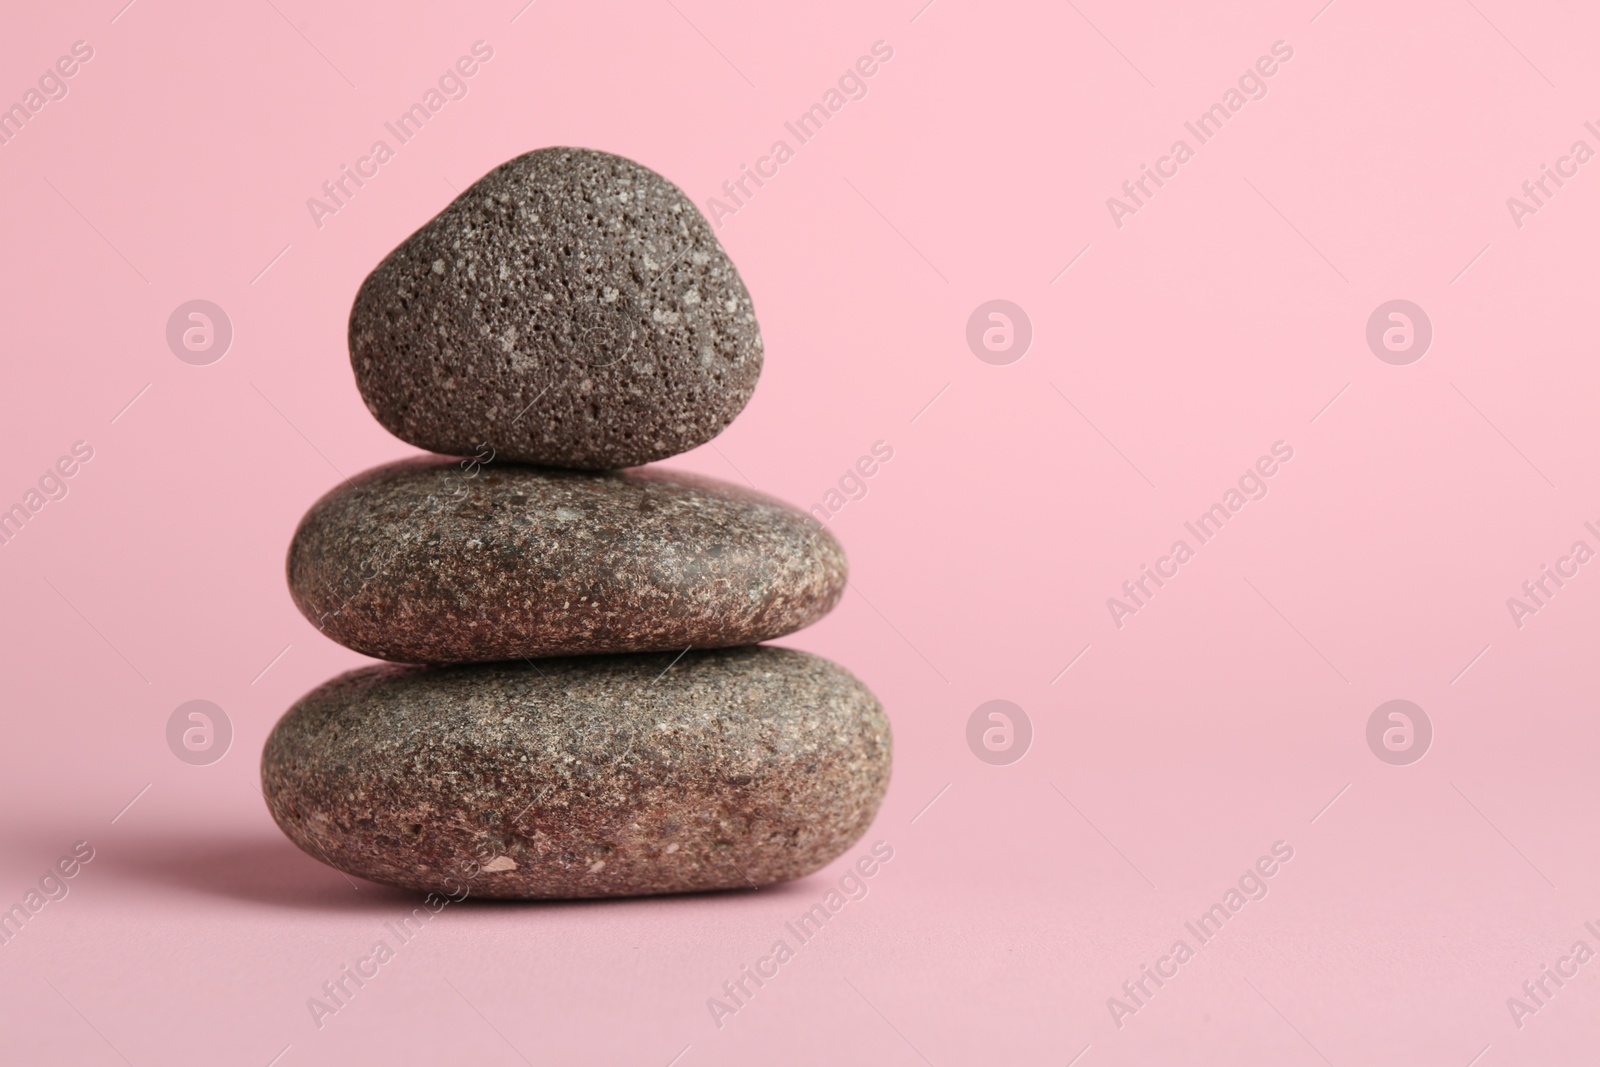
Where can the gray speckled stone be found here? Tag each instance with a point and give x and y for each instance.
(422, 562)
(593, 777)
(572, 308)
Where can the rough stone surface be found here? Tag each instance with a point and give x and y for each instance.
(572, 308)
(592, 777)
(423, 561)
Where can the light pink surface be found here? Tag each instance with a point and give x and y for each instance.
(1225, 716)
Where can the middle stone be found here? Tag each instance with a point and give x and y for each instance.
(422, 561)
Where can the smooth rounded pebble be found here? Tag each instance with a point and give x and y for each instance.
(593, 777)
(572, 308)
(423, 561)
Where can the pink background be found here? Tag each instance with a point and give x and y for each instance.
(1225, 716)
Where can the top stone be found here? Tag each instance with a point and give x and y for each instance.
(572, 308)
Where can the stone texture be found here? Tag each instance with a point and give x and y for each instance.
(572, 308)
(423, 561)
(590, 777)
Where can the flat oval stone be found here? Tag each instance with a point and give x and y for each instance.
(422, 561)
(571, 308)
(593, 777)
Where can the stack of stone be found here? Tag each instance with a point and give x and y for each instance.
(587, 711)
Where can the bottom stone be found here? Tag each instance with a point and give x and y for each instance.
(588, 777)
